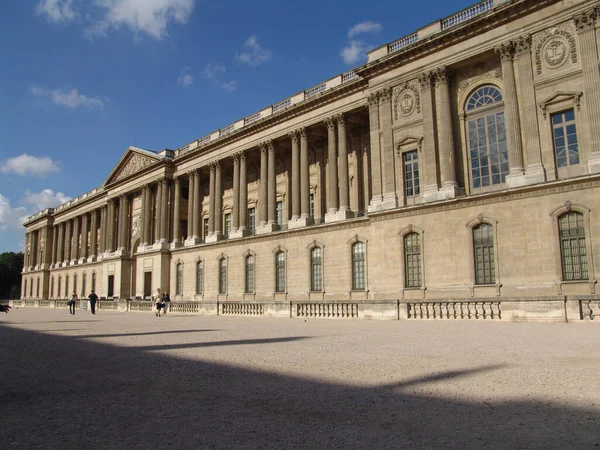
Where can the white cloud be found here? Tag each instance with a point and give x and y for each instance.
(71, 99)
(185, 78)
(255, 54)
(140, 16)
(364, 27)
(354, 51)
(28, 165)
(211, 70)
(230, 86)
(56, 11)
(11, 218)
(45, 199)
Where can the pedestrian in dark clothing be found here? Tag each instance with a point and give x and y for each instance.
(72, 303)
(93, 298)
(166, 302)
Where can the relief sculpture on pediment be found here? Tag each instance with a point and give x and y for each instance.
(134, 164)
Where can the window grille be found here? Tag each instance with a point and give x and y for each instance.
(566, 147)
(411, 174)
(280, 272)
(412, 260)
(483, 246)
(358, 266)
(573, 247)
(316, 279)
(249, 274)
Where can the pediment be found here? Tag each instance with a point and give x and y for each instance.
(409, 142)
(134, 160)
(569, 97)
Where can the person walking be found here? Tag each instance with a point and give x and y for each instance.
(72, 303)
(93, 299)
(158, 302)
(166, 302)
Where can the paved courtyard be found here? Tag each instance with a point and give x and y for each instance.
(134, 381)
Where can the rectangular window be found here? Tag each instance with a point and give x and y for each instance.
(316, 279)
(483, 246)
(411, 174)
(179, 283)
(566, 147)
(412, 260)
(573, 247)
(311, 206)
(223, 276)
(227, 225)
(199, 277)
(205, 224)
(252, 220)
(358, 266)
(280, 272)
(249, 274)
(279, 212)
(111, 286)
(488, 153)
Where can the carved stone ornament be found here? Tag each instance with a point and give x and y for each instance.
(407, 99)
(586, 20)
(522, 44)
(135, 163)
(440, 75)
(505, 51)
(553, 47)
(568, 205)
(135, 229)
(425, 80)
(487, 70)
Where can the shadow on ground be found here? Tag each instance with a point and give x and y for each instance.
(71, 393)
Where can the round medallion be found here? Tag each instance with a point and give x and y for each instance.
(555, 52)
(406, 101)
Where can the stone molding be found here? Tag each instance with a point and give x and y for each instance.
(407, 99)
(505, 51)
(586, 20)
(562, 32)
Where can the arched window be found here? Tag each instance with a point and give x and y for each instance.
(223, 275)
(52, 287)
(199, 277)
(573, 247)
(94, 281)
(280, 271)
(249, 274)
(179, 280)
(358, 266)
(316, 266)
(58, 288)
(37, 288)
(486, 137)
(83, 285)
(75, 283)
(412, 260)
(483, 251)
(66, 286)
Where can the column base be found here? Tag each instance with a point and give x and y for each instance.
(176, 244)
(431, 193)
(594, 163)
(194, 240)
(516, 178)
(214, 238)
(535, 174)
(91, 259)
(160, 245)
(82, 261)
(121, 252)
(267, 228)
(390, 200)
(338, 216)
(376, 204)
(239, 234)
(450, 190)
(300, 223)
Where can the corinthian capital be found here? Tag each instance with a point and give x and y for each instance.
(425, 79)
(373, 99)
(522, 44)
(266, 146)
(340, 119)
(330, 122)
(385, 94)
(505, 51)
(586, 20)
(293, 135)
(440, 75)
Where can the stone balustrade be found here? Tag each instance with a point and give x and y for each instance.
(467, 14)
(242, 309)
(590, 309)
(184, 307)
(328, 310)
(455, 310)
(403, 42)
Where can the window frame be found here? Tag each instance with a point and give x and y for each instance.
(199, 277)
(352, 243)
(179, 277)
(470, 226)
(317, 284)
(222, 274)
(249, 272)
(279, 277)
(402, 234)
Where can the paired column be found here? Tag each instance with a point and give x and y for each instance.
(177, 242)
(240, 197)
(332, 187)
(376, 202)
(585, 24)
(267, 195)
(428, 168)
(211, 207)
(243, 196)
(295, 138)
(110, 226)
(344, 186)
(445, 136)
(535, 172)
(218, 212)
(164, 212)
(84, 238)
(516, 175)
(338, 189)
(93, 236)
(67, 255)
(300, 185)
(196, 210)
(54, 244)
(262, 191)
(190, 211)
(235, 219)
(61, 243)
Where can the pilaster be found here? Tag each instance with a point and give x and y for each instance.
(376, 201)
(305, 218)
(177, 213)
(429, 167)
(332, 186)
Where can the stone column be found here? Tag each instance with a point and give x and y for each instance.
(376, 201)
(271, 188)
(262, 192)
(75, 244)
(366, 170)
(110, 226)
(344, 211)
(428, 168)
(61, 244)
(164, 212)
(516, 175)
(243, 195)
(126, 219)
(196, 210)
(177, 214)
(332, 187)
(143, 219)
(211, 208)
(120, 221)
(445, 136)
(535, 172)
(388, 165)
(54, 244)
(190, 209)
(295, 175)
(102, 237)
(305, 218)
(218, 211)
(93, 236)
(235, 217)
(67, 242)
(585, 24)
(84, 238)
(157, 219)
(34, 246)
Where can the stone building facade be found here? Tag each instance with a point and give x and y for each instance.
(456, 174)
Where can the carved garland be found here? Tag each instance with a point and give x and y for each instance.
(555, 36)
(407, 98)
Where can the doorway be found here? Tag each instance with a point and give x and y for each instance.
(147, 284)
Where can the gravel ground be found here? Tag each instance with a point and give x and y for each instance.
(134, 381)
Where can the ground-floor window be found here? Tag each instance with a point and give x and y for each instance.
(280, 272)
(316, 264)
(223, 276)
(573, 247)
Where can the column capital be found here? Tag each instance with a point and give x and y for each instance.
(440, 75)
(385, 94)
(373, 99)
(123, 197)
(340, 119)
(293, 135)
(425, 79)
(522, 44)
(302, 133)
(330, 122)
(266, 146)
(586, 20)
(176, 179)
(505, 51)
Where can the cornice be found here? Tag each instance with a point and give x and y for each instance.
(494, 19)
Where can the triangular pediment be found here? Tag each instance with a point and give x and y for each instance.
(561, 97)
(409, 142)
(134, 160)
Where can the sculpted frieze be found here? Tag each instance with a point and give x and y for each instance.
(407, 99)
(553, 47)
(135, 163)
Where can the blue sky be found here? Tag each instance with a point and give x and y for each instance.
(82, 80)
